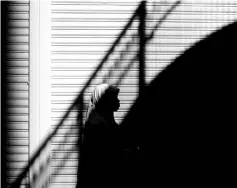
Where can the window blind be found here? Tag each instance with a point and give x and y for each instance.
(82, 33)
(16, 79)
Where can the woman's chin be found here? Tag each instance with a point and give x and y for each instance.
(116, 108)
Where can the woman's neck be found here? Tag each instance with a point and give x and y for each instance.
(107, 114)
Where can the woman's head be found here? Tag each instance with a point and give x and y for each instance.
(104, 99)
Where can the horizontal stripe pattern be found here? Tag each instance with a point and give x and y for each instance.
(17, 102)
(82, 33)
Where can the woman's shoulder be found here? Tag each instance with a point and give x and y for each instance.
(96, 120)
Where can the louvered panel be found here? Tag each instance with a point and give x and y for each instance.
(18, 78)
(61, 106)
(68, 163)
(188, 23)
(76, 52)
(65, 98)
(75, 89)
(59, 139)
(18, 16)
(61, 155)
(18, 8)
(17, 92)
(82, 33)
(17, 47)
(15, 165)
(13, 172)
(18, 149)
(17, 55)
(18, 31)
(23, 185)
(17, 118)
(17, 157)
(18, 62)
(18, 95)
(66, 171)
(90, 15)
(18, 39)
(64, 179)
(17, 142)
(18, 71)
(17, 125)
(61, 185)
(19, 23)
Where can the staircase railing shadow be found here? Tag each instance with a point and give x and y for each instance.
(70, 126)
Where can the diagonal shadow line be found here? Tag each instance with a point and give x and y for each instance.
(17, 182)
(147, 39)
(164, 17)
(80, 96)
(63, 162)
(60, 147)
(57, 170)
(112, 48)
(126, 70)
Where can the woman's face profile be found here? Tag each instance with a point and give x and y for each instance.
(113, 102)
(116, 103)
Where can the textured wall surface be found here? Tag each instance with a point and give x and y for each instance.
(15, 62)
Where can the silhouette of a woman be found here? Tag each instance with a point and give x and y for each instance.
(100, 149)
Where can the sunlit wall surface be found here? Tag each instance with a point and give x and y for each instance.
(82, 32)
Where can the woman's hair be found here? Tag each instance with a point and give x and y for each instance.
(100, 92)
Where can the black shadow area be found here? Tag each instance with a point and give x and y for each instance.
(183, 121)
(4, 87)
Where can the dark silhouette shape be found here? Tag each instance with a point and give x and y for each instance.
(143, 40)
(4, 87)
(100, 153)
(182, 122)
(79, 102)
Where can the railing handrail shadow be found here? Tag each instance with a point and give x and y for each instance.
(78, 102)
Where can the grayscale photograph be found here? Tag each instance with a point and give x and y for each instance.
(118, 93)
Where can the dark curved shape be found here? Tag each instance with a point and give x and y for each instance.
(183, 120)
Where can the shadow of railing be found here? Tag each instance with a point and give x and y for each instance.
(71, 122)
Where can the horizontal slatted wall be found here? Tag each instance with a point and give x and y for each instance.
(188, 23)
(82, 32)
(17, 78)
